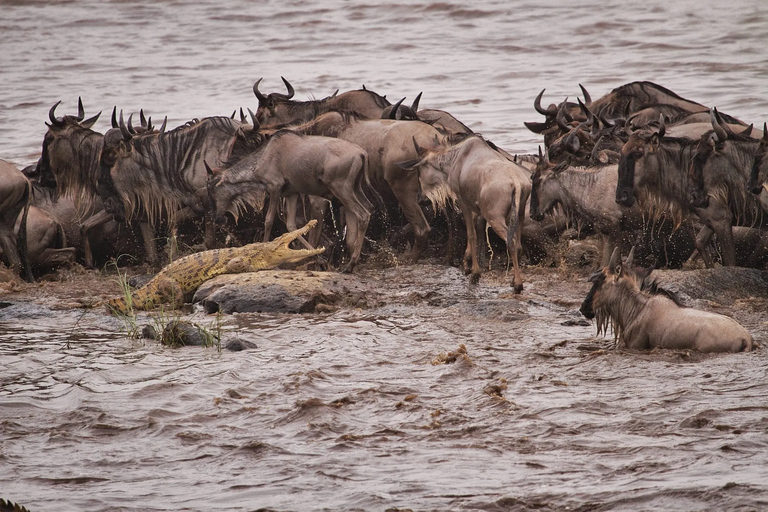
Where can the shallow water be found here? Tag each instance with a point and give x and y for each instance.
(346, 411)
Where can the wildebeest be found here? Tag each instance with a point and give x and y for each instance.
(15, 191)
(70, 165)
(386, 142)
(484, 184)
(162, 174)
(642, 320)
(654, 170)
(280, 109)
(290, 164)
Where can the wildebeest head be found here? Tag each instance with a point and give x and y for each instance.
(63, 156)
(607, 285)
(270, 104)
(403, 112)
(558, 118)
(640, 143)
(227, 193)
(540, 201)
(433, 174)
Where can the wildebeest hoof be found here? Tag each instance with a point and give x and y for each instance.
(518, 288)
(474, 278)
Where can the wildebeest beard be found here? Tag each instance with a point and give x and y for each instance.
(438, 194)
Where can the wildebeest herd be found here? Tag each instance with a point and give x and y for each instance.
(640, 166)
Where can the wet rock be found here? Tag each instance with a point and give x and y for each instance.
(583, 253)
(239, 344)
(148, 332)
(283, 291)
(720, 284)
(179, 333)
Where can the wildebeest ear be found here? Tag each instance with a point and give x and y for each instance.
(643, 273)
(654, 141)
(408, 165)
(615, 263)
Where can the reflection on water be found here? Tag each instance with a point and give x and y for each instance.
(346, 410)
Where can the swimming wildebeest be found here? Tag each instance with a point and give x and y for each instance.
(290, 164)
(484, 184)
(643, 320)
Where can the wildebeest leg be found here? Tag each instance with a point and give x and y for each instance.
(209, 238)
(8, 244)
(480, 226)
(269, 219)
(450, 219)
(470, 219)
(291, 204)
(702, 242)
(357, 219)
(407, 196)
(760, 252)
(509, 231)
(148, 237)
(98, 219)
(317, 210)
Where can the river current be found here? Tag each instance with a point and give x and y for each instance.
(365, 409)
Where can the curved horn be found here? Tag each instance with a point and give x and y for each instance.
(80, 109)
(605, 120)
(335, 93)
(142, 119)
(233, 114)
(747, 131)
(419, 150)
(254, 121)
(165, 121)
(722, 135)
(126, 134)
(288, 86)
(765, 132)
(538, 107)
(149, 124)
(415, 104)
(256, 91)
(243, 119)
(393, 112)
(615, 260)
(90, 121)
(51, 115)
(587, 112)
(662, 127)
(130, 124)
(114, 117)
(630, 257)
(587, 97)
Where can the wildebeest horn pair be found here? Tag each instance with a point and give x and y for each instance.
(261, 97)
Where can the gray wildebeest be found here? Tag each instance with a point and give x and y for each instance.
(585, 194)
(653, 169)
(163, 175)
(485, 185)
(644, 316)
(290, 164)
(70, 165)
(279, 109)
(15, 192)
(387, 142)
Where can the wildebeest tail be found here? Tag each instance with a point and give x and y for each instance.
(512, 223)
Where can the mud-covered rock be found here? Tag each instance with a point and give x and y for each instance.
(239, 344)
(720, 284)
(282, 291)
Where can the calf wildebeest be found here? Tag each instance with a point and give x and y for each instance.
(387, 142)
(290, 164)
(162, 174)
(484, 183)
(642, 320)
(280, 109)
(15, 191)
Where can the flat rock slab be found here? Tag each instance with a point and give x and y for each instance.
(283, 291)
(720, 284)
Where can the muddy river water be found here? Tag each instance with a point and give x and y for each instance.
(437, 395)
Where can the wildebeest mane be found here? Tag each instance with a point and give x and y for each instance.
(652, 287)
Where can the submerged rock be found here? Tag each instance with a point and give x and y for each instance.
(720, 284)
(282, 291)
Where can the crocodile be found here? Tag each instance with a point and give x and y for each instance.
(179, 280)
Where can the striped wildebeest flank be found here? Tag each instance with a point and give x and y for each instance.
(484, 184)
(643, 316)
(15, 196)
(289, 164)
(280, 109)
(721, 177)
(653, 169)
(161, 175)
(70, 165)
(585, 195)
(387, 142)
